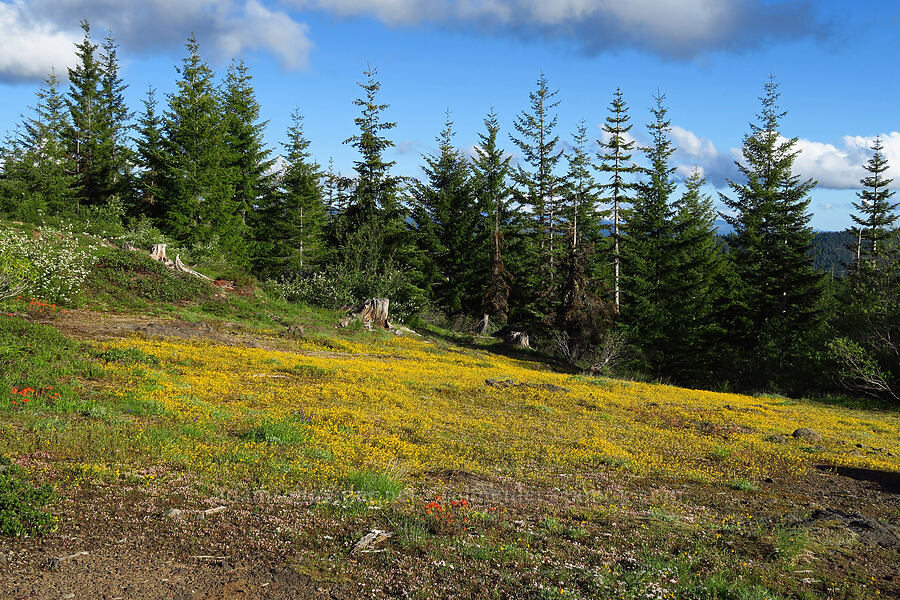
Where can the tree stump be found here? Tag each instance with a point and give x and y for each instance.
(373, 312)
(518, 339)
(158, 253)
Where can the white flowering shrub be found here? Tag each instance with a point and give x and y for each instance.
(52, 261)
(335, 287)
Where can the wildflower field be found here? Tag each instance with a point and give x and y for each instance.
(482, 467)
(319, 412)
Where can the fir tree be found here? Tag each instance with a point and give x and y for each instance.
(778, 303)
(446, 217)
(701, 288)
(578, 308)
(87, 120)
(150, 158)
(538, 185)
(649, 248)
(291, 242)
(114, 158)
(40, 172)
(876, 217)
(490, 171)
(375, 229)
(197, 192)
(615, 158)
(580, 192)
(248, 157)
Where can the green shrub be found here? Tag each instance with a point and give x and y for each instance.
(21, 505)
(336, 286)
(56, 266)
(143, 278)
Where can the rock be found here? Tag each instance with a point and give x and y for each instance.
(869, 530)
(777, 439)
(213, 511)
(856, 453)
(368, 541)
(500, 383)
(2, 559)
(807, 434)
(175, 514)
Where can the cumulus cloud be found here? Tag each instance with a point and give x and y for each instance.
(840, 167)
(671, 28)
(836, 167)
(695, 152)
(41, 33)
(31, 46)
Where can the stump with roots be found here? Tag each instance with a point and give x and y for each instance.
(373, 312)
(158, 253)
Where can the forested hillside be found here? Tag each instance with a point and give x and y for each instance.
(587, 241)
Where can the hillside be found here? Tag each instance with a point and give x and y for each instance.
(202, 446)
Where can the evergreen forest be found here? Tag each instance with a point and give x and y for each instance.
(610, 260)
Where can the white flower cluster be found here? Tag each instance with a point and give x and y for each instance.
(56, 264)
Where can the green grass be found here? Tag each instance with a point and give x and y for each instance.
(126, 279)
(377, 486)
(22, 505)
(40, 357)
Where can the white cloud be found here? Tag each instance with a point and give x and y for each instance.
(42, 32)
(678, 28)
(840, 167)
(31, 46)
(693, 151)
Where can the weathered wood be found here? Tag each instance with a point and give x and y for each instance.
(373, 312)
(179, 266)
(518, 339)
(158, 253)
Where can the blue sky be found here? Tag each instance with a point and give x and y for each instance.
(835, 61)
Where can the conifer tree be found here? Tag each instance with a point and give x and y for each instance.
(649, 249)
(197, 190)
(39, 172)
(114, 158)
(580, 192)
(150, 159)
(538, 185)
(248, 157)
(579, 310)
(490, 171)
(294, 217)
(375, 229)
(701, 287)
(446, 217)
(616, 163)
(777, 306)
(87, 120)
(876, 217)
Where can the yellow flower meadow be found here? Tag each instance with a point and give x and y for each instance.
(333, 407)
